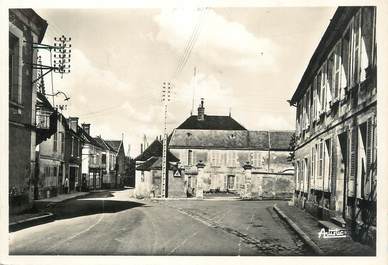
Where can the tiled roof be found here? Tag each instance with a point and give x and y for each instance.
(102, 143)
(211, 123)
(153, 163)
(147, 164)
(115, 144)
(90, 139)
(231, 139)
(155, 149)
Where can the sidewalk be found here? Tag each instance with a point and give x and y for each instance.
(63, 197)
(330, 246)
(39, 214)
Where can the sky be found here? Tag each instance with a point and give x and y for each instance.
(248, 62)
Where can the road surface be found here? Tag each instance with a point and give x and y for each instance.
(109, 223)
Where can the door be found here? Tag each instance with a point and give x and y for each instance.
(73, 173)
(230, 184)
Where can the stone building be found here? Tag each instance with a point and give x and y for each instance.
(215, 154)
(25, 27)
(51, 162)
(92, 167)
(73, 154)
(335, 152)
(224, 147)
(119, 162)
(149, 172)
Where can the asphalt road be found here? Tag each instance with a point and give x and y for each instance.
(109, 223)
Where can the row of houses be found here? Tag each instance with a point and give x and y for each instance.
(209, 154)
(336, 146)
(48, 153)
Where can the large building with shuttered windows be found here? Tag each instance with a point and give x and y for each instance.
(335, 154)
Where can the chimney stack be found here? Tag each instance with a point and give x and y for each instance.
(201, 111)
(73, 123)
(86, 127)
(141, 148)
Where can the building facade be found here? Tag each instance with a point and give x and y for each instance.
(215, 154)
(92, 167)
(25, 28)
(335, 154)
(51, 162)
(224, 155)
(118, 160)
(73, 155)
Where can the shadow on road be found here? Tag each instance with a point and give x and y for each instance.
(92, 204)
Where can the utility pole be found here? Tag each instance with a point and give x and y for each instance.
(166, 97)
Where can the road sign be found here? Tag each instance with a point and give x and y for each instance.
(177, 173)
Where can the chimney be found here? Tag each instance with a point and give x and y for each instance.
(86, 127)
(73, 123)
(201, 111)
(141, 148)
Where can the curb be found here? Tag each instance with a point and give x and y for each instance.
(43, 204)
(46, 218)
(306, 239)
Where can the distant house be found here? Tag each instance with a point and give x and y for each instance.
(149, 171)
(24, 26)
(73, 154)
(118, 147)
(108, 160)
(223, 148)
(92, 167)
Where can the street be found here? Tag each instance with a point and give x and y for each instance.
(109, 223)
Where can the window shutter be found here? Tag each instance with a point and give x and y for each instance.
(353, 162)
(333, 165)
(369, 144)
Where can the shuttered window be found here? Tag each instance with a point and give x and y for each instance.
(356, 48)
(352, 162)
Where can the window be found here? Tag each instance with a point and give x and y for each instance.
(367, 40)
(55, 170)
(337, 71)
(190, 157)
(62, 134)
(14, 69)
(55, 142)
(103, 159)
(72, 145)
(327, 165)
(356, 48)
(323, 88)
(367, 158)
(352, 160)
(346, 49)
(142, 176)
(77, 146)
(313, 165)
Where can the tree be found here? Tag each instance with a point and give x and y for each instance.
(292, 146)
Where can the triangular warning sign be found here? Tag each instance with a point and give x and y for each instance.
(177, 174)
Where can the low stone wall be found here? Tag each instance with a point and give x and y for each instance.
(272, 185)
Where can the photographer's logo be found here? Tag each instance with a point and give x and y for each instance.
(332, 233)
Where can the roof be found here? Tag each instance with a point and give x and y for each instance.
(232, 139)
(90, 139)
(155, 149)
(154, 162)
(147, 164)
(332, 34)
(115, 144)
(211, 123)
(101, 142)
